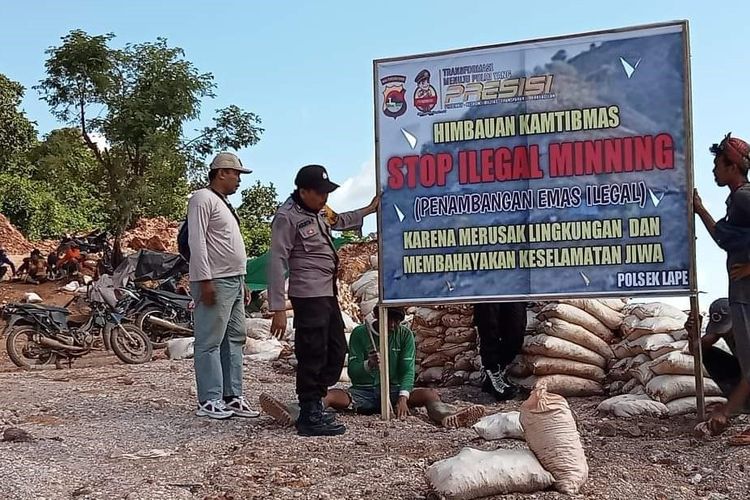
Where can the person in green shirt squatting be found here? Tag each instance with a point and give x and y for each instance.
(364, 394)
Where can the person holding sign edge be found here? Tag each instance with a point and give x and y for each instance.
(732, 234)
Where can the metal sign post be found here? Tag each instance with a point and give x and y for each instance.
(695, 341)
(385, 385)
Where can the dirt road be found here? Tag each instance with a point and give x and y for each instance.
(92, 426)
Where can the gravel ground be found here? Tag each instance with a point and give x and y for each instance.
(88, 425)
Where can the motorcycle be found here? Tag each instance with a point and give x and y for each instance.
(161, 314)
(39, 335)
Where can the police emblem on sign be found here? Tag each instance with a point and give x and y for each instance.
(425, 97)
(394, 96)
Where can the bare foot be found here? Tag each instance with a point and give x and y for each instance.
(276, 409)
(464, 418)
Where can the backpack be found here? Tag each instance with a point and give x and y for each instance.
(183, 248)
(183, 245)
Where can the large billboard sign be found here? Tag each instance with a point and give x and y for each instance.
(555, 167)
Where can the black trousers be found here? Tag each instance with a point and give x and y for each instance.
(501, 327)
(319, 344)
(723, 368)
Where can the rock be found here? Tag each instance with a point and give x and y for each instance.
(13, 241)
(126, 380)
(180, 348)
(8, 417)
(16, 435)
(717, 496)
(634, 431)
(696, 479)
(82, 491)
(157, 244)
(607, 429)
(158, 233)
(136, 243)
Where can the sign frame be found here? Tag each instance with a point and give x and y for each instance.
(692, 288)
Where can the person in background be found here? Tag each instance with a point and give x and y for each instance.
(5, 262)
(34, 267)
(722, 366)
(70, 262)
(501, 327)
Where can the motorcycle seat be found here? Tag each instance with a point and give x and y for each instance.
(172, 295)
(43, 307)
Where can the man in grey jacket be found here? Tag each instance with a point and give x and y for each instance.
(301, 243)
(217, 283)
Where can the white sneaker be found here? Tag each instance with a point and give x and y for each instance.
(214, 408)
(239, 407)
(497, 379)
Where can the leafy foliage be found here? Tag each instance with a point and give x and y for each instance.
(17, 133)
(259, 204)
(139, 98)
(46, 188)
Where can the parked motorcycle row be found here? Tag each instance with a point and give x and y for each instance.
(39, 335)
(131, 320)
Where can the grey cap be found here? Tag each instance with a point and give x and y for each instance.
(230, 161)
(720, 319)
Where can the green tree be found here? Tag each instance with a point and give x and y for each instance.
(259, 204)
(56, 189)
(17, 133)
(46, 186)
(71, 173)
(233, 128)
(139, 98)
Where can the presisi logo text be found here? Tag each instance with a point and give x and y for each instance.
(508, 88)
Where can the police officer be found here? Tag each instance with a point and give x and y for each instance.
(301, 243)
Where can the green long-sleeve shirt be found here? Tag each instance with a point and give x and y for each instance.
(400, 358)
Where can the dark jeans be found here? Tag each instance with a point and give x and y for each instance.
(319, 344)
(501, 327)
(723, 368)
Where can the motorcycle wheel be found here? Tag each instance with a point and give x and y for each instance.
(130, 344)
(159, 336)
(25, 352)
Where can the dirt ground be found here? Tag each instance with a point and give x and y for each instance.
(91, 426)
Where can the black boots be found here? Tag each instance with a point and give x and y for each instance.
(313, 421)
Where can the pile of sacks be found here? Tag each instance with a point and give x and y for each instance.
(653, 371)
(554, 457)
(445, 337)
(354, 259)
(261, 345)
(571, 348)
(446, 343)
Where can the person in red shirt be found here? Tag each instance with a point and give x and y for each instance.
(71, 260)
